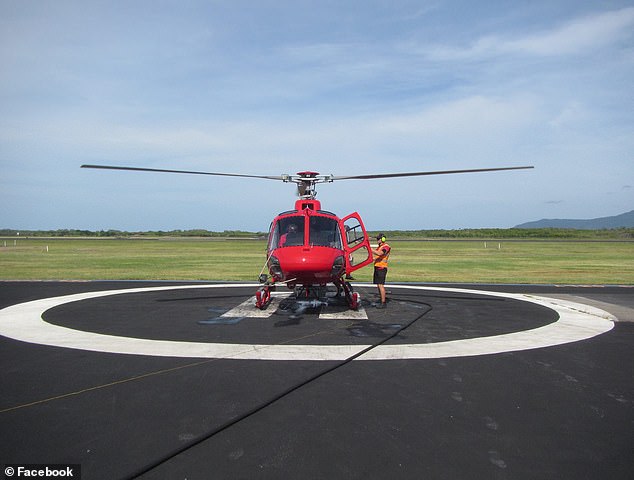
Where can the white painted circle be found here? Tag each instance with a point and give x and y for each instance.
(576, 322)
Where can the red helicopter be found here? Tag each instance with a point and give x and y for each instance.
(309, 248)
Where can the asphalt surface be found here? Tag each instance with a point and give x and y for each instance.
(563, 411)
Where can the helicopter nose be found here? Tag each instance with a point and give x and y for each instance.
(307, 264)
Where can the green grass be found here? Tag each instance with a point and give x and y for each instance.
(515, 262)
(75, 259)
(569, 262)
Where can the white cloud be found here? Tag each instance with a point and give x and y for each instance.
(579, 36)
(466, 116)
(571, 113)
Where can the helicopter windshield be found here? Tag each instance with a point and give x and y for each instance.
(324, 232)
(288, 232)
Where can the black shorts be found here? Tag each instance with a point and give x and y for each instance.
(379, 276)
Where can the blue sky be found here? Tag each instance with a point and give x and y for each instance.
(343, 88)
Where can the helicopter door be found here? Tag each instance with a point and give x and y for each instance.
(356, 242)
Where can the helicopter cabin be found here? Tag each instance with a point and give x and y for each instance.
(307, 246)
(306, 225)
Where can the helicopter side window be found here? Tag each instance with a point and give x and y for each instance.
(288, 232)
(354, 232)
(324, 232)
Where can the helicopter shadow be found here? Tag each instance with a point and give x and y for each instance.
(294, 311)
(374, 329)
(218, 319)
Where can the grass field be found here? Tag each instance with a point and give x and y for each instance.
(559, 262)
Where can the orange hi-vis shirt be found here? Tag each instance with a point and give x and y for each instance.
(381, 260)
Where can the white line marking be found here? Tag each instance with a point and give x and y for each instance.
(247, 308)
(359, 314)
(576, 322)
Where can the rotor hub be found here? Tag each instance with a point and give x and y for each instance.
(306, 182)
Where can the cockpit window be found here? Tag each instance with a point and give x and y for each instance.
(324, 232)
(288, 232)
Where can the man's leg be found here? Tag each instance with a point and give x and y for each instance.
(379, 280)
(381, 292)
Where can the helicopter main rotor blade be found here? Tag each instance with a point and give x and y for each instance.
(306, 178)
(417, 174)
(162, 170)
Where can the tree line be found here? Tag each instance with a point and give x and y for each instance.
(470, 233)
(66, 232)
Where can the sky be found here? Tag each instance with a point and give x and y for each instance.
(337, 87)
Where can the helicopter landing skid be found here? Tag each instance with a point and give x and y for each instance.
(313, 293)
(352, 298)
(263, 296)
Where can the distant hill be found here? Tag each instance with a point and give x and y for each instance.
(625, 220)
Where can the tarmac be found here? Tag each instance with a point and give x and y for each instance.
(176, 380)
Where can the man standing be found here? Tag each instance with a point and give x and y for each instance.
(382, 253)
